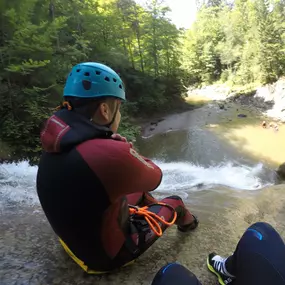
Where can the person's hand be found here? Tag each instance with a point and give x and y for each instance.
(118, 137)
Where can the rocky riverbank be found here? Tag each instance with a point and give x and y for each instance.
(269, 99)
(275, 94)
(236, 119)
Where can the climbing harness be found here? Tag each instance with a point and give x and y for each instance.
(151, 218)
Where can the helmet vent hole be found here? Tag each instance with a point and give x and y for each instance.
(78, 70)
(98, 72)
(120, 86)
(86, 74)
(114, 79)
(107, 79)
(86, 84)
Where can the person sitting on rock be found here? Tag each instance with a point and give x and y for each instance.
(264, 124)
(259, 259)
(92, 184)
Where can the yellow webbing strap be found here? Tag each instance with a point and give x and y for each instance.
(81, 263)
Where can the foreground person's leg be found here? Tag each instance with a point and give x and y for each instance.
(175, 274)
(259, 259)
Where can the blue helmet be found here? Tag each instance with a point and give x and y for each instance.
(91, 80)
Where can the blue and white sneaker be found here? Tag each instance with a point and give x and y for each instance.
(216, 264)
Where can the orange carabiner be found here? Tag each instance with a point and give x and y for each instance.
(152, 218)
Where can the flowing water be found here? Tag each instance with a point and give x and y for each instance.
(219, 179)
(194, 158)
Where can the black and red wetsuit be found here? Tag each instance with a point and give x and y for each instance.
(85, 182)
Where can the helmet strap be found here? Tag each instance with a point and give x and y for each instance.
(114, 116)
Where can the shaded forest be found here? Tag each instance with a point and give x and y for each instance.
(237, 43)
(40, 40)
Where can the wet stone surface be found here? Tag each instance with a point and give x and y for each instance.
(30, 253)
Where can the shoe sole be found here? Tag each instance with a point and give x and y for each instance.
(210, 267)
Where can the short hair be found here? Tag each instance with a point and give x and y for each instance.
(88, 106)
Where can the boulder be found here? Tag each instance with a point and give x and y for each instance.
(281, 171)
(221, 106)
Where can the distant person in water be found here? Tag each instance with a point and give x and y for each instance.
(264, 125)
(271, 126)
(92, 183)
(274, 126)
(259, 259)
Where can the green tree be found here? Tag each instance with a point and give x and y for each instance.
(239, 42)
(40, 40)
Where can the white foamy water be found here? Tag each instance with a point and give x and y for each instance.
(182, 177)
(18, 180)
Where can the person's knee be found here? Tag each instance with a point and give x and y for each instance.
(173, 201)
(135, 198)
(261, 225)
(173, 274)
(174, 197)
(169, 268)
(261, 230)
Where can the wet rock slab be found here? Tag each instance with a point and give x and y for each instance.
(31, 254)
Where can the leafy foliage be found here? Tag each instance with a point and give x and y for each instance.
(40, 40)
(239, 42)
(236, 42)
